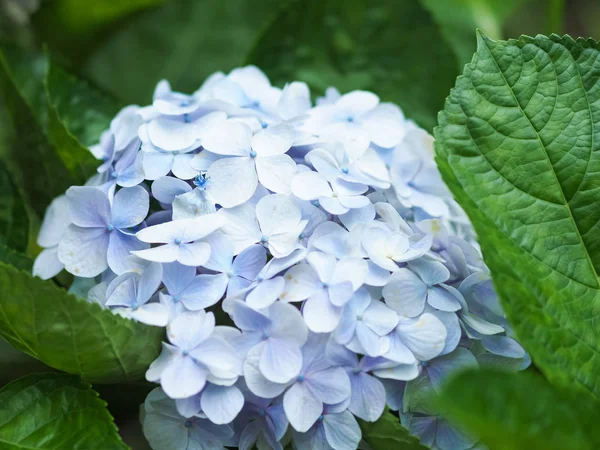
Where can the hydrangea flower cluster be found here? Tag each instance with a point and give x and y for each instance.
(308, 263)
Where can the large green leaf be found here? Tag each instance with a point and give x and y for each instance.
(387, 433)
(519, 145)
(71, 334)
(522, 412)
(393, 48)
(14, 224)
(55, 411)
(181, 41)
(42, 175)
(53, 118)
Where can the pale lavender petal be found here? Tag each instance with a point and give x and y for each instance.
(177, 276)
(255, 380)
(247, 318)
(280, 360)
(330, 385)
(183, 378)
(503, 346)
(425, 428)
(441, 367)
(431, 272)
(453, 328)
(165, 189)
(149, 282)
(167, 355)
(194, 254)
(204, 291)
(188, 407)
(320, 315)
(182, 167)
(266, 293)
(47, 264)
(302, 407)
(55, 223)
(368, 396)
(133, 174)
(425, 336)
(83, 250)
(190, 328)
(276, 172)
(250, 262)
(218, 356)
(88, 206)
(122, 290)
(379, 318)
(449, 437)
(163, 253)
(232, 180)
(119, 250)
(156, 164)
(342, 430)
(172, 133)
(371, 343)
(250, 435)
(153, 314)
(340, 293)
(442, 299)
(221, 404)
(406, 293)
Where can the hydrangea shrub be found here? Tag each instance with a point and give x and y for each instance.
(307, 261)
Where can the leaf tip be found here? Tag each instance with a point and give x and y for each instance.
(482, 38)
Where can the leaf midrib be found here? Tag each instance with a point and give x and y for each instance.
(560, 188)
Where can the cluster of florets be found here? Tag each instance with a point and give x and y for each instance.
(321, 238)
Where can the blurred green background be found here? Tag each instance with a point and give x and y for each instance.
(398, 48)
(407, 51)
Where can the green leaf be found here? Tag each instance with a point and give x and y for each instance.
(14, 223)
(181, 41)
(55, 411)
(518, 143)
(392, 48)
(53, 118)
(521, 412)
(15, 259)
(77, 116)
(71, 334)
(388, 433)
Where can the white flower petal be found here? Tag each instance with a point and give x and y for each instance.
(194, 254)
(310, 186)
(320, 314)
(425, 337)
(172, 133)
(182, 378)
(83, 251)
(228, 138)
(255, 380)
(47, 264)
(274, 140)
(357, 102)
(302, 408)
(276, 172)
(232, 181)
(221, 404)
(277, 214)
(405, 293)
